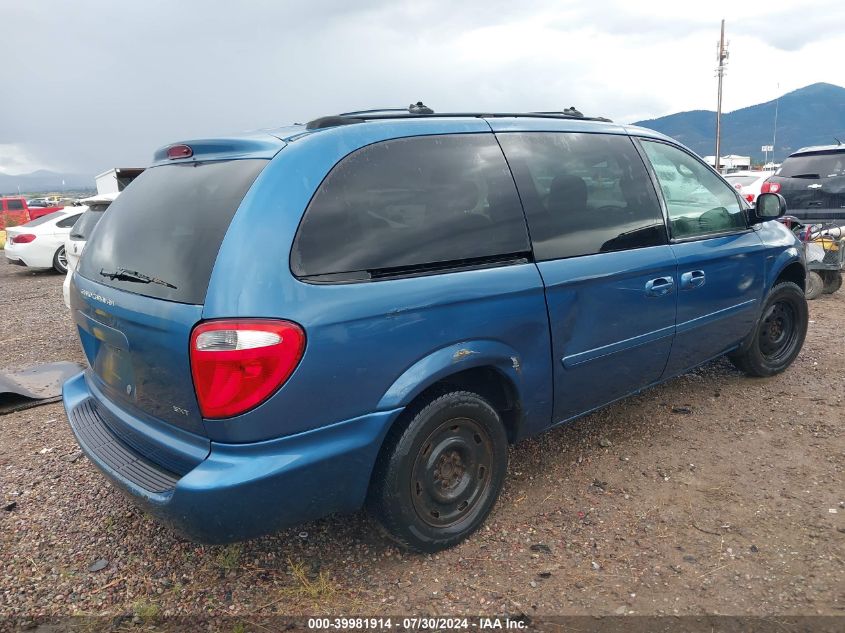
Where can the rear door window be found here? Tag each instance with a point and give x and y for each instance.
(14, 205)
(167, 229)
(85, 224)
(410, 205)
(583, 193)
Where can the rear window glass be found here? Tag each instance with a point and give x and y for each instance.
(166, 228)
(404, 205)
(85, 224)
(41, 220)
(828, 165)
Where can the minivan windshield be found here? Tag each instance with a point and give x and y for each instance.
(161, 236)
(826, 165)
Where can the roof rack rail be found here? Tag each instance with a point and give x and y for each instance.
(421, 110)
(415, 108)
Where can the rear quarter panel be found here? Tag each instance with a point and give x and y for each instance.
(370, 346)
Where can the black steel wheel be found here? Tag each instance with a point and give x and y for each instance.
(440, 472)
(779, 334)
(778, 331)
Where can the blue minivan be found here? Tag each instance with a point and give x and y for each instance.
(368, 309)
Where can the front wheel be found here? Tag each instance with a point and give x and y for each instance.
(440, 474)
(815, 286)
(60, 261)
(779, 333)
(832, 282)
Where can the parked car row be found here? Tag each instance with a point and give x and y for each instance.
(15, 211)
(55, 240)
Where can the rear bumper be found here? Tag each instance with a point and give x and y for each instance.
(239, 491)
(818, 215)
(22, 255)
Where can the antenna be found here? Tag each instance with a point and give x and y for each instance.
(722, 58)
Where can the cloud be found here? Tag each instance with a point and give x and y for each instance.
(14, 160)
(109, 82)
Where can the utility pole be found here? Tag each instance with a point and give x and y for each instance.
(722, 58)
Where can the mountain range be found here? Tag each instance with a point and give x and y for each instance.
(813, 115)
(43, 181)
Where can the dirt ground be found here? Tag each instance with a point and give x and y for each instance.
(712, 494)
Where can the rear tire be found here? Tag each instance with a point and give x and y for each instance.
(440, 474)
(832, 282)
(60, 261)
(815, 285)
(778, 335)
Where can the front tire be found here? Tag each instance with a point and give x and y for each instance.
(439, 476)
(815, 286)
(779, 334)
(832, 282)
(60, 261)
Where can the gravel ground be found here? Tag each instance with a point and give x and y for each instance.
(712, 494)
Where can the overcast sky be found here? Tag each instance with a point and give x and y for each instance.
(92, 84)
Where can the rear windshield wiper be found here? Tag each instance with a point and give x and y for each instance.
(805, 176)
(121, 274)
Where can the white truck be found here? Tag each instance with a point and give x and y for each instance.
(115, 180)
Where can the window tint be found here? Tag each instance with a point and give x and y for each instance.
(169, 225)
(698, 201)
(401, 205)
(583, 193)
(14, 205)
(68, 221)
(825, 165)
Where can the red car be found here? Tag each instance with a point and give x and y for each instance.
(15, 211)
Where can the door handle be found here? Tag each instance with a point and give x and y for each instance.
(659, 287)
(692, 279)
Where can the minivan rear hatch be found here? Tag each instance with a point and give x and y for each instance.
(140, 285)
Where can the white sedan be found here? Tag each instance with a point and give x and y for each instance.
(748, 183)
(41, 243)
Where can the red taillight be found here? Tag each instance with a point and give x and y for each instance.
(179, 151)
(238, 364)
(770, 187)
(24, 238)
(749, 197)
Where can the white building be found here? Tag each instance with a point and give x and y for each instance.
(731, 162)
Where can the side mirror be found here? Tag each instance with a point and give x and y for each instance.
(770, 206)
